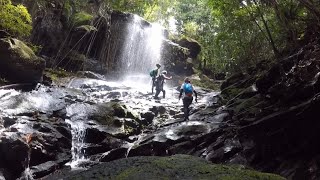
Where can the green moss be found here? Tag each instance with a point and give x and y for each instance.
(104, 120)
(173, 167)
(248, 105)
(87, 28)
(34, 48)
(15, 19)
(231, 92)
(67, 8)
(126, 174)
(55, 74)
(205, 82)
(3, 81)
(81, 18)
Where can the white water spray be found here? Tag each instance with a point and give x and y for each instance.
(78, 132)
(141, 51)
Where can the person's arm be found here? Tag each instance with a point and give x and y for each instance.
(168, 78)
(181, 91)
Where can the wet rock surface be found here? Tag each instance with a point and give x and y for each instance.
(174, 167)
(274, 112)
(90, 121)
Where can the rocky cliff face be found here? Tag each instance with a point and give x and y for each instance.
(96, 44)
(275, 110)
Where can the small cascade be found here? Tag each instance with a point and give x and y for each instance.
(135, 143)
(141, 51)
(27, 174)
(78, 132)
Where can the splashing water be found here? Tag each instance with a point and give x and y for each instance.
(78, 132)
(141, 51)
(135, 143)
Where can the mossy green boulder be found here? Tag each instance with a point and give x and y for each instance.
(18, 63)
(173, 167)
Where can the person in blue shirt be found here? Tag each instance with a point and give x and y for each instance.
(187, 90)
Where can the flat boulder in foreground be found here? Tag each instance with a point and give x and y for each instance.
(173, 167)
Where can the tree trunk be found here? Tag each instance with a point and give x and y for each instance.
(275, 50)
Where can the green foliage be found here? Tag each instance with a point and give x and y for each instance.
(81, 18)
(3, 81)
(15, 19)
(35, 48)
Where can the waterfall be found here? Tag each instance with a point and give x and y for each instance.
(78, 132)
(142, 46)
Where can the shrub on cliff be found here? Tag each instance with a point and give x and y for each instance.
(16, 20)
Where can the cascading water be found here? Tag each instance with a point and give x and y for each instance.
(78, 132)
(141, 51)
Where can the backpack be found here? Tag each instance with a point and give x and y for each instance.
(187, 88)
(153, 73)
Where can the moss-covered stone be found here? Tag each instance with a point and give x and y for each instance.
(56, 74)
(205, 82)
(86, 28)
(18, 63)
(248, 105)
(174, 167)
(81, 18)
(3, 81)
(230, 92)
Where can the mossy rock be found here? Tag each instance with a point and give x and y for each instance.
(205, 82)
(248, 105)
(174, 167)
(18, 63)
(56, 74)
(81, 18)
(119, 110)
(3, 81)
(73, 62)
(86, 28)
(231, 92)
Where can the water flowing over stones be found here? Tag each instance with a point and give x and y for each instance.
(142, 47)
(92, 121)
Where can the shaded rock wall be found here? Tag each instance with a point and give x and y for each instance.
(101, 41)
(275, 112)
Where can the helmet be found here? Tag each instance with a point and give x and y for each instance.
(187, 80)
(164, 72)
(158, 65)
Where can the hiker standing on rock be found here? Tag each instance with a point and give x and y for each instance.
(159, 84)
(154, 74)
(188, 90)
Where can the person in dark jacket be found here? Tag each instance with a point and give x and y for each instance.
(154, 74)
(187, 91)
(159, 84)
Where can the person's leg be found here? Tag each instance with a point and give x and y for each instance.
(164, 93)
(186, 103)
(153, 84)
(185, 108)
(157, 93)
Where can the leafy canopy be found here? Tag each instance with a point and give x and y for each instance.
(15, 19)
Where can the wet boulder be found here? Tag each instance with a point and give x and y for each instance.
(173, 167)
(175, 57)
(19, 63)
(193, 46)
(13, 153)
